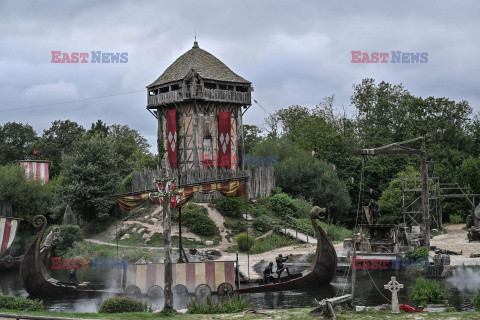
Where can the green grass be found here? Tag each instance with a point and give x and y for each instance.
(268, 243)
(90, 250)
(287, 314)
(156, 240)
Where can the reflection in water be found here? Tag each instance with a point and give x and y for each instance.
(461, 289)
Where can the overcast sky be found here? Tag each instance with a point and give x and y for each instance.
(294, 52)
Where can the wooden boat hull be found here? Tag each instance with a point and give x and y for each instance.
(37, 280)
(321, 270)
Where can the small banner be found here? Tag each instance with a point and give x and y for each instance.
(8, 230)
(235, 188)
(172, 137)
(224, 139)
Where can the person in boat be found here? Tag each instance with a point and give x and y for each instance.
(72, 278)
(280, 266)
(268, 274)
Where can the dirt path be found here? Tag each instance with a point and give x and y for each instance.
(456, 240)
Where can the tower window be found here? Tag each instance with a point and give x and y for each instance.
(207, 156)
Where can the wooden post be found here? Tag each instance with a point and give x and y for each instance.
(180, 245)
(159, 137)
(167, 240)
(425, 196)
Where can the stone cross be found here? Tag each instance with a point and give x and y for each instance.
(394, 286)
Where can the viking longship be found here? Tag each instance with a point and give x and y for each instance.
(37, 281)
(221, 277)
(8, 231)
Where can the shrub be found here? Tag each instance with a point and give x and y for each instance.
(476, 302)
(233, 304)
(276, 190)
(271, 242)
(196, 218)
(302, 207)
(282, 205)
(456, 219)
(230, 207)
(261, 224)
(427, 291)
(69, 234)
(121, 305)
(245, 242)
(419, 253)
(235, 225)
(19, 303)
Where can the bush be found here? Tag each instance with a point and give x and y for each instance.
(121, 305)
(302, 207)
(69, 234)
(476, 302)
(234, 304)
(261, 224)
(19, 303)
(456, 219)
(276, 190)
(427, 291)
(281, 205)
(271, 242)
(197, 220)
(230, 207)
(245, 242)
(417, 254)
(235, 225)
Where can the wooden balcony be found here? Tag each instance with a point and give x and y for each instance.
(219, 95)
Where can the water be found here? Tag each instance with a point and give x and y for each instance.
(461, 289)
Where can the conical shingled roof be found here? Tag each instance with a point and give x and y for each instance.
(203, 62)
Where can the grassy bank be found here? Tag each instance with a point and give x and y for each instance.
(294, 314)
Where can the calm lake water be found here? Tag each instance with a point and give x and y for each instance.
(461, 288)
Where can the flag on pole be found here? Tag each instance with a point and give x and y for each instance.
(313, 153)
(371, 191)
(352, 179)
(334, 168)
(34, 152)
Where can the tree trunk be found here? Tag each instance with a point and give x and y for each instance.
(167, 239)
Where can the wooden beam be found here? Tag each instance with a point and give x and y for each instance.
(381, 151)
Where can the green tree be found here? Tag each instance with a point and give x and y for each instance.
(98, 128)
(90, 177)
(132, 149)
(468, 173)
(315, 180)
(58, 139)
(251, 136)
(289, 117)
(27, 196)
(17, 141)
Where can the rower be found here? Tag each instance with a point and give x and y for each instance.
(72, 279)
(268, 274)
(280, 266)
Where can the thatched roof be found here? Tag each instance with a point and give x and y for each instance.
(203, 62)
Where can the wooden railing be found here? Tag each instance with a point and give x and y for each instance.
(201, 93)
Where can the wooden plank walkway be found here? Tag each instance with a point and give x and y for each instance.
(299, 236)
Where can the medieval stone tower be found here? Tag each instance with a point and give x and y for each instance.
(199, 102)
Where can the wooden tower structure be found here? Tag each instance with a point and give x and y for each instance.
(199, 102)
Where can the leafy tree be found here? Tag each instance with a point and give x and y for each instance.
(315, 180)
(17, 141)
(468, 173)
(90, 177)
(98, 128)
(251, 136)
(132, 149)
(27, 196)
(390, 203)
(289, 117)
(58, 139)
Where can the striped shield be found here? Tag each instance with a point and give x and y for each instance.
(8, 230)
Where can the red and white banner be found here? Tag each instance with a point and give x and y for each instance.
(37, 170)
(8, 230)
(172, 137)
(224, 139)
